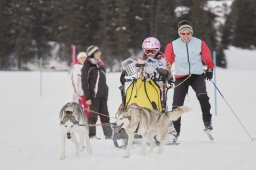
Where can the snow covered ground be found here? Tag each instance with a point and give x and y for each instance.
(30, 127)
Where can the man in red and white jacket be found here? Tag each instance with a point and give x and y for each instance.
(187, 53)
(78, 94)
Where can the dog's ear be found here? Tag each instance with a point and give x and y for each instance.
(127, 113)
(121, 107)
(62, 115)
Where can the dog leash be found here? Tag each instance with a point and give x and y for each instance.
(98, 113)
(182, 81)
(97, 124)
(101, 124)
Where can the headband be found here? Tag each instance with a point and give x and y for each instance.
(183, 27)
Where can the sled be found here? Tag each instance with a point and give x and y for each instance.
(142, 91)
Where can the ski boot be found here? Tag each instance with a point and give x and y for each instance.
(208, 126)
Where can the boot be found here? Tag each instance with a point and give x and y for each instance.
(208, 126)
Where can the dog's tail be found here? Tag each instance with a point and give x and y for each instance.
(176, 113)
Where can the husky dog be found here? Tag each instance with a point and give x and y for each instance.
(150, 124)
(72, 125)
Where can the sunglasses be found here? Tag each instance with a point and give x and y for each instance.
(183, 33)
(150, 52)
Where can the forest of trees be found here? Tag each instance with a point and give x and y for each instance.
(30, 28)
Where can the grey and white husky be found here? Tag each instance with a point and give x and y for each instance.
(150, 124)
(73, 125)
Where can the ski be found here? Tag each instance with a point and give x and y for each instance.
(173, 143)
(208, 133)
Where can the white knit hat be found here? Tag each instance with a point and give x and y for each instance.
(80, 55)
(91, 50)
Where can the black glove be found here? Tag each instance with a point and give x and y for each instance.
(162, 72)
(122, 79)
(170, 82)
(208, 75)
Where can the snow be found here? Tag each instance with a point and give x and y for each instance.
(30, 127)
(240, 59)
(181, 10)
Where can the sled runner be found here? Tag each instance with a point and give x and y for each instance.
(141, 86)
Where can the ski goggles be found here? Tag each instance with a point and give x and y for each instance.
(150, 51)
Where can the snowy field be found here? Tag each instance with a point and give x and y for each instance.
(30, 127)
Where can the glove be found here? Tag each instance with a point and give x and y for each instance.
(170, 82)
(162, 72)
(208, 74)
(122, 79)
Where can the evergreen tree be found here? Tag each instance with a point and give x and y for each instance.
(137, 25)
(41, 28)
(106, 31)
(5, 34)
(245, 24)
(69, 24)
(22, 26)
(228, 30)
(121, 32)
(203, 23)
(166, 29)
(93, 21)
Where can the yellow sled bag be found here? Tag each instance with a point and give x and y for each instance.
(144, 93)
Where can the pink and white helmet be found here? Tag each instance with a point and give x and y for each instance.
(151, 46)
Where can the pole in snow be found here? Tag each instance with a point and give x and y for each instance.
(41, 76)
(73, 54)
(214, 73)
(247, 132)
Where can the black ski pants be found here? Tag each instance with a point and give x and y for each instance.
(99, 105)
(197, 82)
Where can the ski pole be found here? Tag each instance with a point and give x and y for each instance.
(215, 80)
(252, 139)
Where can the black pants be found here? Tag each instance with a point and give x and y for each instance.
(99, 105)
(197, 82)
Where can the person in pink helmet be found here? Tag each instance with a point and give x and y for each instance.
(78, 94)
(161, 74)
(151, 49)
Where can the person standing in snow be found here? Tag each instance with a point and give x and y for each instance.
(188, 52)
(78, 94)
(96, 90)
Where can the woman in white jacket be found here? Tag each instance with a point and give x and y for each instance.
(78, 94)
